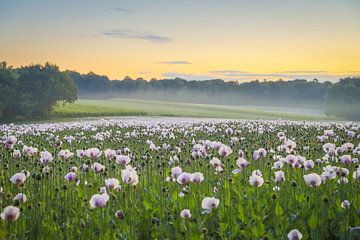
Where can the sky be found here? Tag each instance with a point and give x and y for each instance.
(192, 39)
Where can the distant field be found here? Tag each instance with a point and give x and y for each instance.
(130, 107)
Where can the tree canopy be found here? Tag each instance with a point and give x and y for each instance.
(33, 90)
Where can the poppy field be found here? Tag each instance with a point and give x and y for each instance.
(180, 178)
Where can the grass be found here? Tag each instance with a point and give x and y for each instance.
(130, 107)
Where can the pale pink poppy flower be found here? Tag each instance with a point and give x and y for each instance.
(9, 142)
(224, 151)
(289, 146)
(80, 153)
(93, 153)
(296, 164)
(70, 176)
(10, 213)
(350, 134)
(290, 159)
(256, 155)
(215, 162)
(229, 131)
(242, 163)
(84, 168)
(329, 148)
(30, 151)
(65, 154)
(345, 159)
(329, 132)
(294, 235)
(109, 153)
(97, 167)
(313, 179)
(16, 153)
(18, 178)
(111, 183)
(347, 146)
(356, 174)
(197, 177)
(20, 197)
(262, 152)
(122, 159)
(176, 171)
(73, 169)
(278, 165)
(280, 134)
(345, 204)
(45, 157)
(279, 176)
(209, 203)
(185, 214)
(184, 178)
(256, 180)
(99, 200)
(129, 175)
(309, 164)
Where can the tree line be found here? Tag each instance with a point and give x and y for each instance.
(35, 89)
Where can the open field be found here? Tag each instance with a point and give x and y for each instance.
(180, 178)
(128, 107)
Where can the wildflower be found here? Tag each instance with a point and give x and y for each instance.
(279, 176)
(97, 167)
(20, 197)
(129, 175)
(45, 157)
(209, 203)
(345, 204)
(65, 154)
(122, 159)
(224, 151)
(18, 178)
(184, 178)
(197, 177)
(294, 235)
(312, 179)
(10, 213)
(93, 153)
(256, 180)
(109, 153)
(185, 214)
(70, 176)
(111, 183)
(175, 172)
(99, 200)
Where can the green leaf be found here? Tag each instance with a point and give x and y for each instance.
(313, 220)
(278, 210)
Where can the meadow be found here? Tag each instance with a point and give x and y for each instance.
(180, 178)
(133, 107)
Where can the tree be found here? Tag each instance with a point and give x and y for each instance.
(8, 91)
(33, 90)
(343, 99)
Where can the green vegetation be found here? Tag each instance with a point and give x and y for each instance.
(126, 179)
(125, 107)
(343, 99)
(32, 91)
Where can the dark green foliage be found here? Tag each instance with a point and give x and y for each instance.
(32, 91)
(300, 93)
(343, 99)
